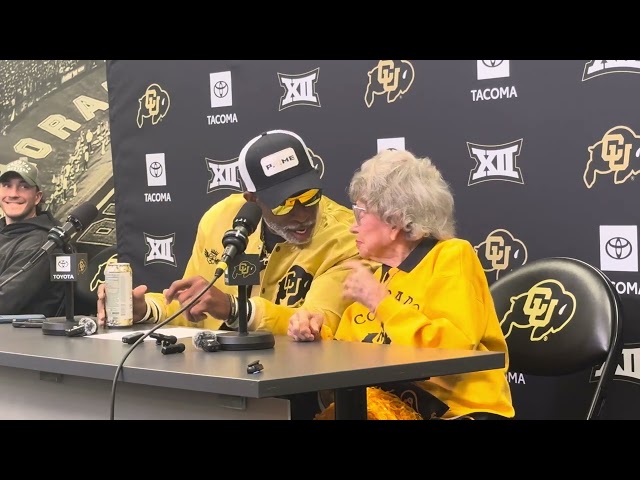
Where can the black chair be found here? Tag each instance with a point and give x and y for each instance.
(561, 316)
(86, 290)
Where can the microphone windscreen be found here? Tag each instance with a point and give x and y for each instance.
(249, 216)
(83, 214)
(199, 338)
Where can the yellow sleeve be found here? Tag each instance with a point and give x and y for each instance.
(324, 296)
(193, 267)
(454, 315)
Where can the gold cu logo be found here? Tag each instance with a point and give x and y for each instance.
(390, 77)
(545, 308)
(539, 306)
(244, 268)
(618, 152)
(82, 266)
(154, 104)
(98, 278)
(501, 252)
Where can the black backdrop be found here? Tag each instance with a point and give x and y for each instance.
(521, 143)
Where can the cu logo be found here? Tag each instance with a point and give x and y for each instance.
(492, 63)
(618, 248)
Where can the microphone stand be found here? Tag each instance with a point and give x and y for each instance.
(243, 339)
(58, 325)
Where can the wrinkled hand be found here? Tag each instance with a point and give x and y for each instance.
(214, 302)
(139, 305)
(305, 326)
(361, 286)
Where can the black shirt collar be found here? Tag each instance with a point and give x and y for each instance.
(418, 253)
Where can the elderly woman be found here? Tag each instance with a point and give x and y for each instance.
(429, 290)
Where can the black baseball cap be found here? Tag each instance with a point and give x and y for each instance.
(276, 165)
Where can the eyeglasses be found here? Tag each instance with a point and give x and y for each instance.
(306, 199)
(357, 212)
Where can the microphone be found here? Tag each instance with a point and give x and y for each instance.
(207, 341)
(169, 349)
(166, 339)
(235, 240)
(79, 218)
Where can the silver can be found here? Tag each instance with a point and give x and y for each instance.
(118, 280)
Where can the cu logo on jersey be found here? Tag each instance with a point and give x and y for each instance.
(293, 287)
(224, 175)
(154, 104)
(545, 309)
(299, 89)
(160, 249)
(495, 162)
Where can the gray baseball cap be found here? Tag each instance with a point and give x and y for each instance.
(28, 171)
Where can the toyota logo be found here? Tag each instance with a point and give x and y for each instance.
(155, 169)
(618, 248)
(220, 89)
(492, 63)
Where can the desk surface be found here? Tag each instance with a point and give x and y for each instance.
(290, 367)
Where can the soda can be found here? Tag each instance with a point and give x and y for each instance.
(118, 280)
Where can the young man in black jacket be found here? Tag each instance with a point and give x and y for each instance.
(23, 230)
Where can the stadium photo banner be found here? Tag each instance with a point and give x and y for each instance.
(54, 114)
(541, 156)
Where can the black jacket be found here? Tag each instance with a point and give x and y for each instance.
(31, 291)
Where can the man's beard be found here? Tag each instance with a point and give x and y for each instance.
(285, 232)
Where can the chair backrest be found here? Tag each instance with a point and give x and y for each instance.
(86, 291)
(560, 316)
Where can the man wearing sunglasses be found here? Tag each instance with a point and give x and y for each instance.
(302, 240)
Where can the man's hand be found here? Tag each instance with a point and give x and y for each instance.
(361, 286)
(213, 301)
(305, 326)
(139, 304)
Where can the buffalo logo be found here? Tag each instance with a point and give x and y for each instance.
(244, 269)
(546, 308)
(501, 252)
(211, 256)
(82, 266)
(98, 278)
(618, 248)
(390, 77)
(595, 68)
(154, 104)
(318, 163)
(618, 152)
(380, 338)
(293, 287)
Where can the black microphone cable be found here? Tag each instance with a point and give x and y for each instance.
(162, 324)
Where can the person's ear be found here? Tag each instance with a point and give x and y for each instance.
(393, 233)
(249, 196)
(38, 197)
